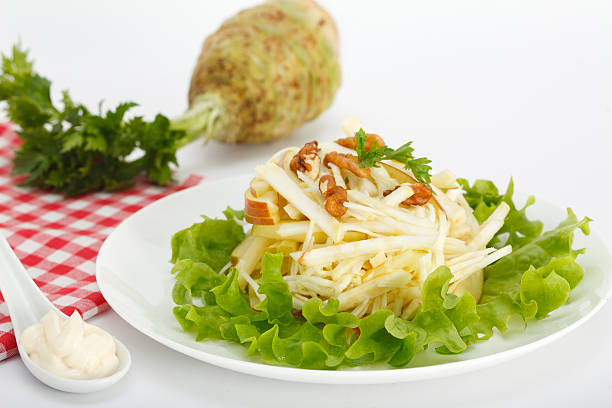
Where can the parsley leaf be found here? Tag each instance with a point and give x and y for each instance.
(68, 149)
(371, 157)
(401, 154)
(420, 167)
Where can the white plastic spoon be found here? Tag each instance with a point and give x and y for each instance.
(27, 305)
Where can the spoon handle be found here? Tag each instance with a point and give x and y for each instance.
(26, 303)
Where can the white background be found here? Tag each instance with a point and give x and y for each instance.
(489, 89)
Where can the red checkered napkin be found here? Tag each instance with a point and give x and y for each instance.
(57, 239)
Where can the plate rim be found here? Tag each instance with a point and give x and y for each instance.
(377, 376)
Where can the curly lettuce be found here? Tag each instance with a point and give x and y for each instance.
(211, 241)
(531, 282)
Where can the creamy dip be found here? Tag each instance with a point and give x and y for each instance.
(70, 348)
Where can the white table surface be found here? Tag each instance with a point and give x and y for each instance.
(488, 89)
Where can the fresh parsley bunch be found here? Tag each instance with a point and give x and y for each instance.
(70, 150)
(420, 167)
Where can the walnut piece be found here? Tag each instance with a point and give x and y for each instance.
(351, 142)
(346, 161)
(335, 196)
(307, 160)
(326, 182)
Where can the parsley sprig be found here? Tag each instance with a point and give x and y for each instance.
(70, 150)
(403, 154)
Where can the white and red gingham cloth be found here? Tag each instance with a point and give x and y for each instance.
(58, 239)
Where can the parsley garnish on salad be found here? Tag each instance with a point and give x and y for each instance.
(532, 281)
(403, 154)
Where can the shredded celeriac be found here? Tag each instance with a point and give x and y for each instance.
(378, 254)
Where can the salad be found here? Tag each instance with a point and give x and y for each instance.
(351, 252)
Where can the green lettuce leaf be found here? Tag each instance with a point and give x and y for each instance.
(307, 347)
(519, 228)
(483, 196)
(444, 316)
(302, 349)
(495, 313)
(442, 320)
(233, 300)
(315, 312)
(194, 280)
(408, 349)
(504, 276)
(538, 275)
(205, 322)
(230, 213)
(375, 343)
(210, 241)
(541, 295)
(278, 303)
(566, 267)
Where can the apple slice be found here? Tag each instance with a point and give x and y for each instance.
(259, 187)
(260, 221)
(265, 206)
(445, 180)
(399, 175)
(472, 284)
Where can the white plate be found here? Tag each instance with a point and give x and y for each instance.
(133, 274)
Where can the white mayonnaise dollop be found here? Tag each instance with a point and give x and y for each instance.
(70, 348)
